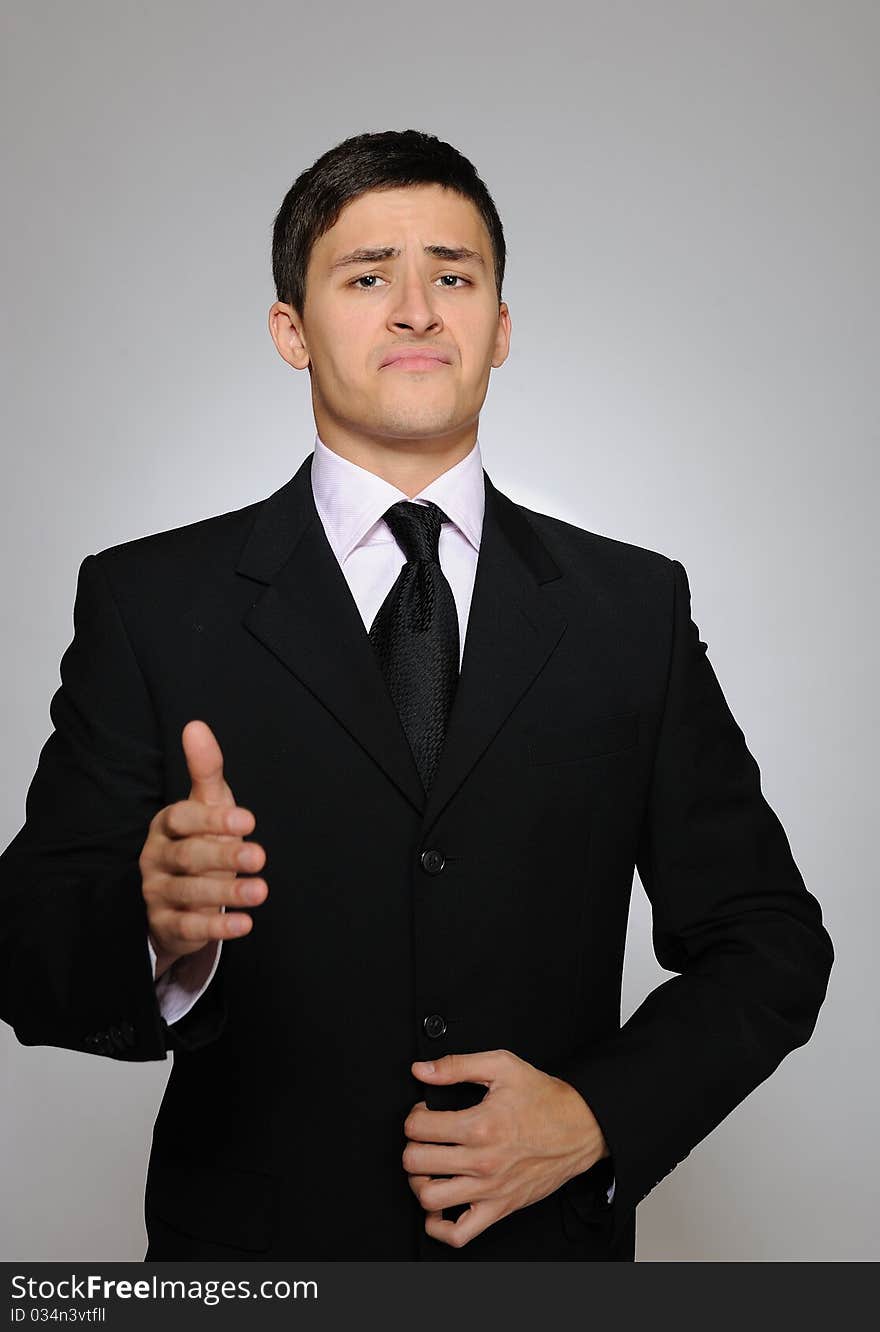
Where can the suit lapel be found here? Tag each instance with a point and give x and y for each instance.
(307, 616)
(512, 629)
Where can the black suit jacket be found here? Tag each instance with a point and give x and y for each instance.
(589, 736)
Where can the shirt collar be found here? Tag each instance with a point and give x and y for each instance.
(351, 501)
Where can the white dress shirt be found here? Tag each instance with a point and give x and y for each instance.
(351, 503)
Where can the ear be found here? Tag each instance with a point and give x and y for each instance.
(502, 336)
(285, 326)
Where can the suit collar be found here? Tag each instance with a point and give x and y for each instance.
(307, 617)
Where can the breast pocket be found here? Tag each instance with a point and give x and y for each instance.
(583, 738)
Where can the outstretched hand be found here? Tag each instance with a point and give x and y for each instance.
(192, 856)
(530, 1133)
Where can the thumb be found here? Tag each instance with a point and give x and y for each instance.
(440, 1069)
(204, 759)
(487, 1067)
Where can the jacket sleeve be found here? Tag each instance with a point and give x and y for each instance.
(74, 971)
(731, 915)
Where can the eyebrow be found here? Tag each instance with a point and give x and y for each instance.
(452, 253)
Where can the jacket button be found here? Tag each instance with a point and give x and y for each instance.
(432, 862)
(434, 1025)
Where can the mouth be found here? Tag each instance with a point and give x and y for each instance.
(416, 363)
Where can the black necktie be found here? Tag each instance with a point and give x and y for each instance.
(415, 634)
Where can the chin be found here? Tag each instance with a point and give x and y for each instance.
(405, 423)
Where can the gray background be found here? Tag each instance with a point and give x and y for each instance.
(689, 193)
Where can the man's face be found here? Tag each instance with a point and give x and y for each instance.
(360, 311)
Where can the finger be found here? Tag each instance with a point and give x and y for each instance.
(204, 759)
(435, 1158)
(200, 927)
(474, 1221)
(201, 894)
(439, 1191)
(452, 1126)
(416, 1183)
(185, 818)
(195, 856)
(484, 1067)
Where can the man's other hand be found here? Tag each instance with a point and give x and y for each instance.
(530, 1133)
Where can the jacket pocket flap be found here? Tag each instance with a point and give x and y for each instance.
(235, 1207)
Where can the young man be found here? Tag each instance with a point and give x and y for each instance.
(454, 727)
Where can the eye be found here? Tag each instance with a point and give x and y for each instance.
(366, 277)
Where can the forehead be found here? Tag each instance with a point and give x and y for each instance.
(430, 214)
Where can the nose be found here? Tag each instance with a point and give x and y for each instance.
(415, 307)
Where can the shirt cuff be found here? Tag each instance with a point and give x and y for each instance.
(185, 981)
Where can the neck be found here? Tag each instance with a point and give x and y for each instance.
(408, 464)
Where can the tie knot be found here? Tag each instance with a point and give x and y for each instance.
(416, 529)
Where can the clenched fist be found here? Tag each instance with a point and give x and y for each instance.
(190, 861)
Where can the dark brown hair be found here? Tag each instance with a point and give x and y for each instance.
(386, 160)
